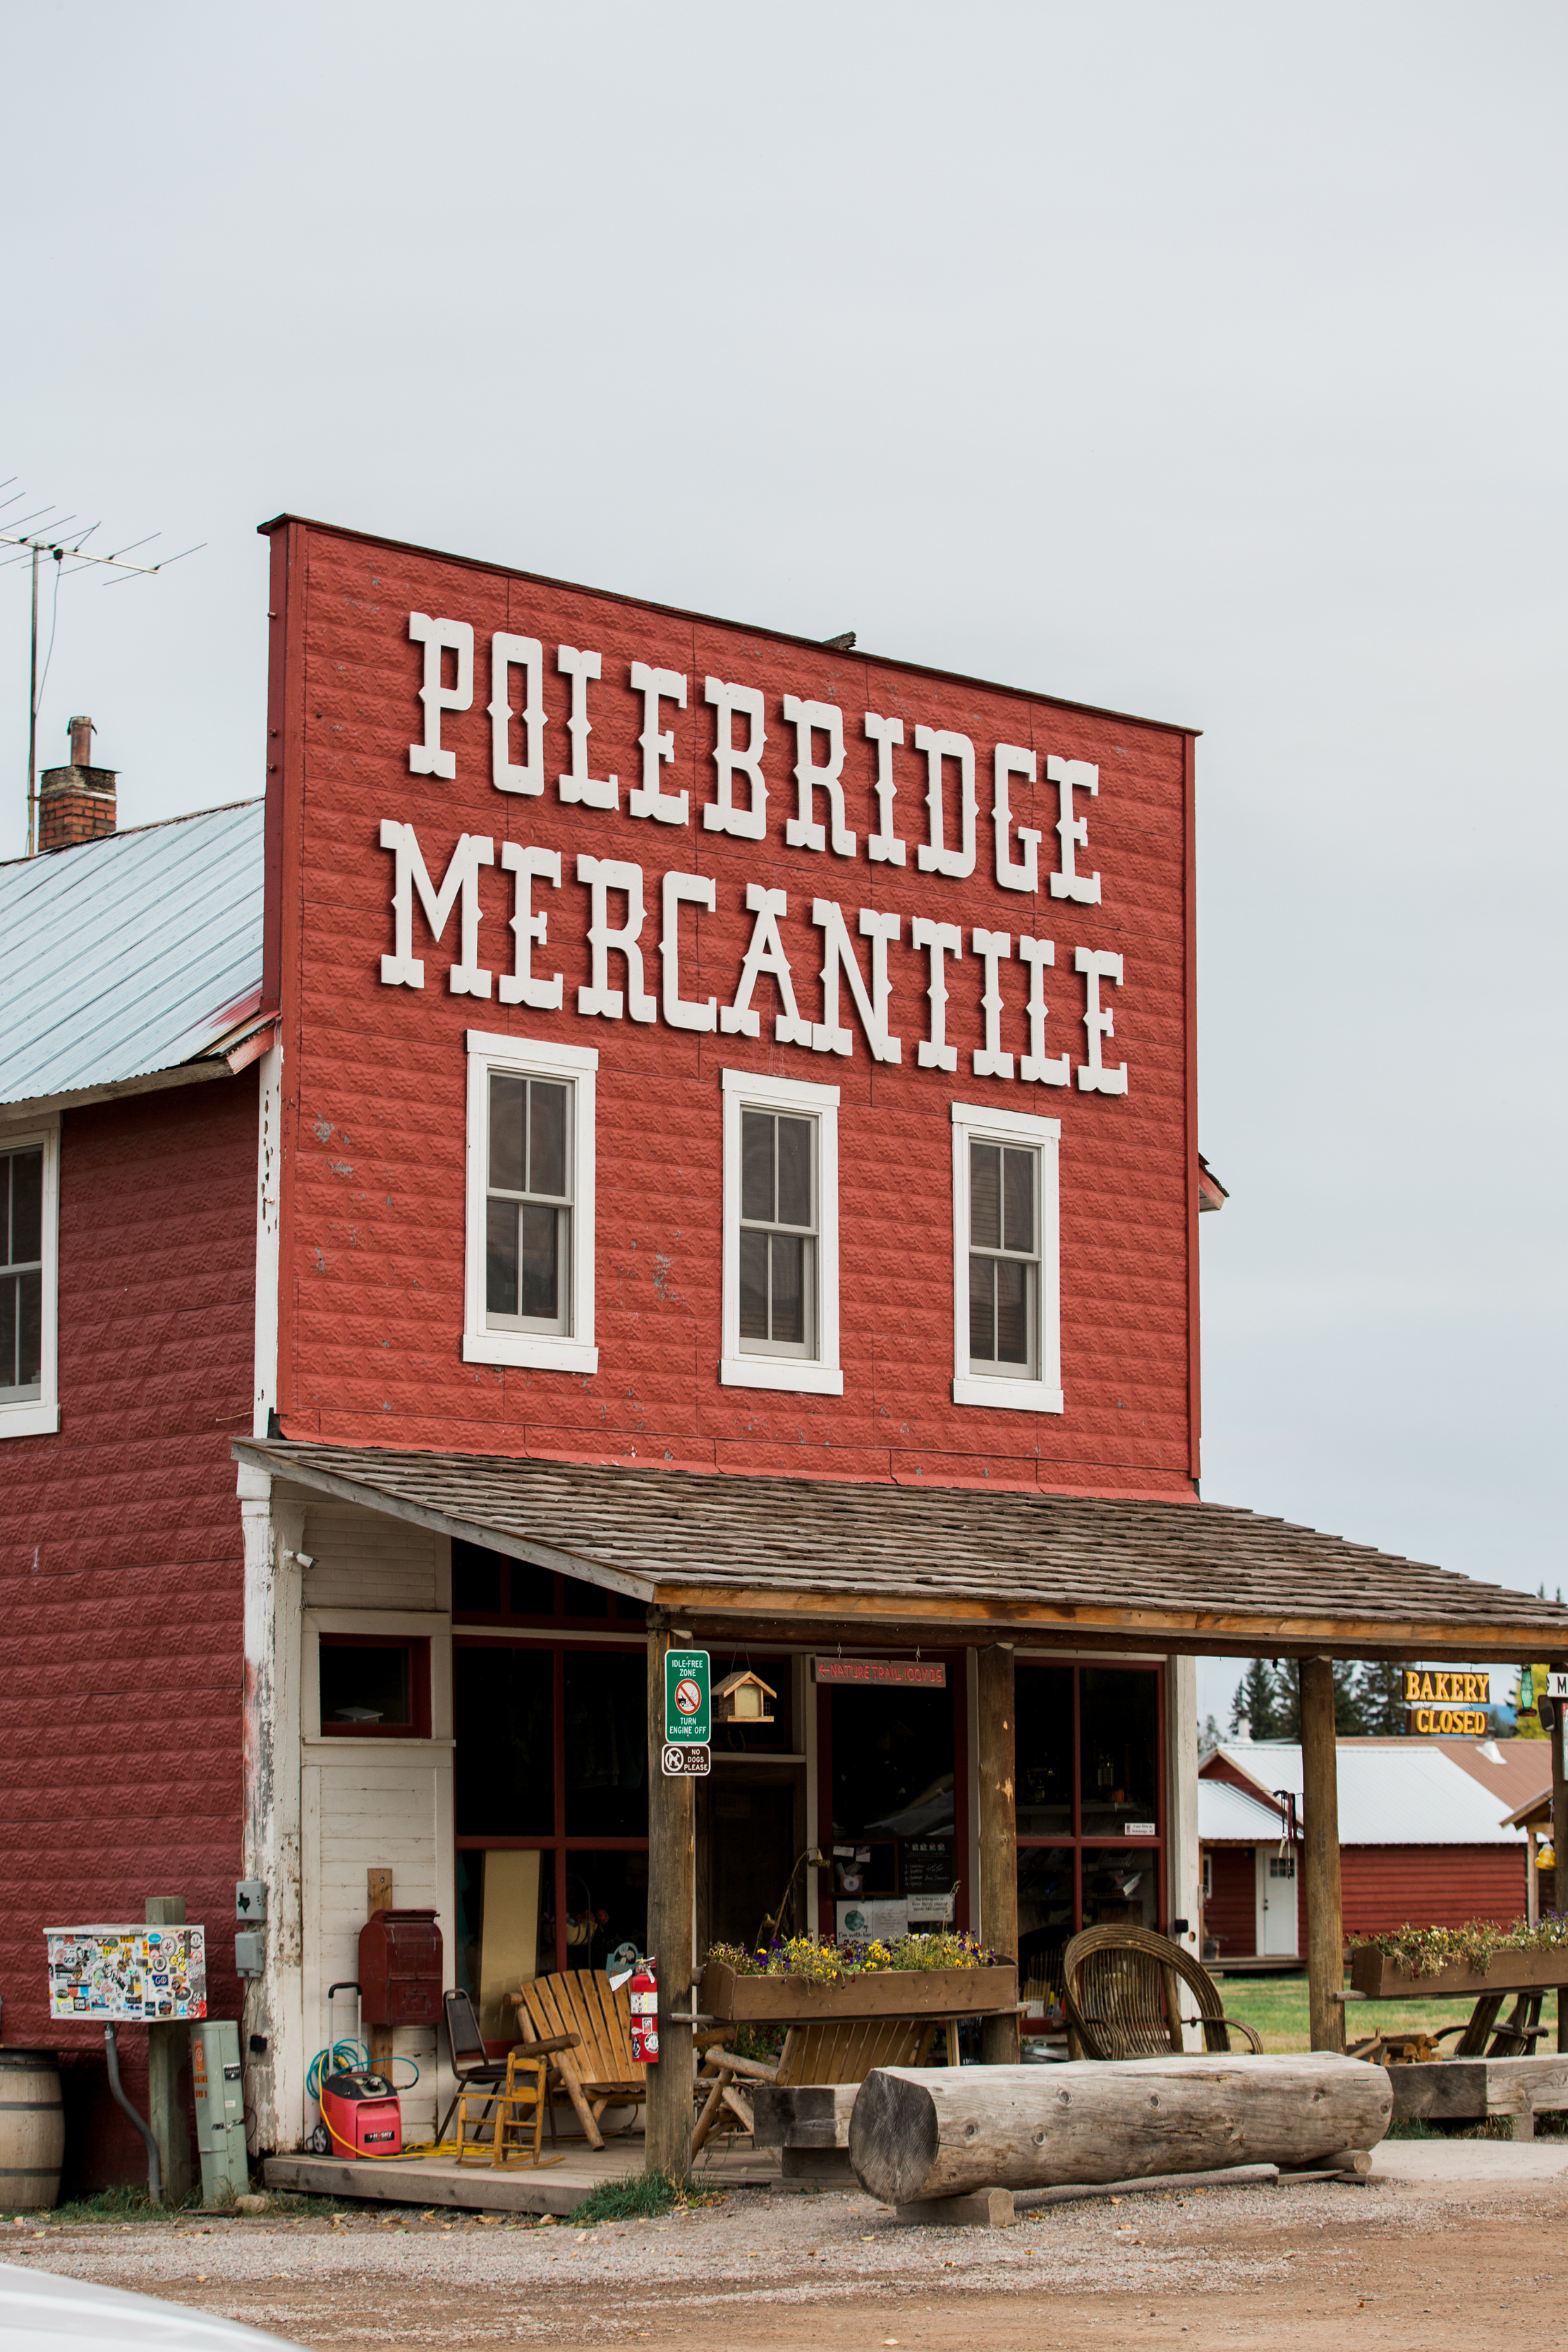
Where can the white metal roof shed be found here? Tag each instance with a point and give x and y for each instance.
(1391, 1793)
(132, 956)
(1229, 1816)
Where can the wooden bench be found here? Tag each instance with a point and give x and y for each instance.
(1466, 2090)
(601, 2071)
(802, 2105)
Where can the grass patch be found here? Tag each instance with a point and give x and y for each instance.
(638, 2196)
(1277, 2006)
(122, 2204)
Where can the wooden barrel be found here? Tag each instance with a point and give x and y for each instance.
(32, 2128)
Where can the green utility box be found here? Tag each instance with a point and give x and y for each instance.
(220, 2110)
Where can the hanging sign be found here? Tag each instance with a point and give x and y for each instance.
(687, 1703)
(909, 1673)
(153, 1975)
(1449, 1705)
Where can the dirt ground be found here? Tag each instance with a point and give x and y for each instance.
(1438, 2266)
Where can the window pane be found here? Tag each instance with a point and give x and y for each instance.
(8, 1284)
(1046, 1925)
(753, 1286)
(26, 1206)
(546, 1138)
(1121, 1889)
(1118, 1714)
(606, 1746)
(1044, 1765)
(985, 1195)
(789, 1288)
(1012, 1310)
(795, 1171)
(371, 1684)
(506, 1746)
(30, 1329)
(478, 1581)
(508, 1102)
(501, 1257)
(756, 1166)
(982, 1309)
(542, 1269)
(1018, 1200)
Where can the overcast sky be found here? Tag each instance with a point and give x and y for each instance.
(1200, 360)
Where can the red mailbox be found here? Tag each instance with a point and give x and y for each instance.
(400, 1968)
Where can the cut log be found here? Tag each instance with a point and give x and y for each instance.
(934, 2131)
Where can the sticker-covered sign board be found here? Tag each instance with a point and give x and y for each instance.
(153, 1975)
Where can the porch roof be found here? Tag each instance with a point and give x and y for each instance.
(972, 1564)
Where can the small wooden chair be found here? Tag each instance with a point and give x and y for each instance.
(577, 2011)
(1123, 1996)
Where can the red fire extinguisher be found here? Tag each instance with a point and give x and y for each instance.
(644, 1993)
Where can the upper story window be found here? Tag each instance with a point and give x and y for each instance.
(780, 1308)
(29, 1186)
(1006, 1345)
(530, 1287)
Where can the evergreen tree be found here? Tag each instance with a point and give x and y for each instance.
(1256, 1703)
(1349, 1710)
(1381, 1696)
(1288, 1700)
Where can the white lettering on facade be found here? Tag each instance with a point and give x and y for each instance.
(649, 798)
(402, 968)
(1070, 776)
(1094, 1076)
(593, 791)
(936, 858)
(837, 954)
(934, 1053)
(725, 815)
(993, 948)
(765, 953)
(428, 759)
(694, 890)
(809, 720)
(603, 875)
(529, 931)
(883, 847)
(506, 653)
(1023, 873)
(1035, 1065)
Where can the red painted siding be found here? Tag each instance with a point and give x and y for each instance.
(374, 1119)
(1230, 1913)
(120, 1570)
(1388, 1887)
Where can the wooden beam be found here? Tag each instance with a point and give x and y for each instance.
(1320, 1835)
(999, 1855)
(169, 2097)
(672, 1896)
(1559, 1833)
(378, 1898)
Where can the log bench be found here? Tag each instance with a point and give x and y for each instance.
(1467, 2090)
(918, 2132)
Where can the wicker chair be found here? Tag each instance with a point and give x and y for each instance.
(1124, 1998)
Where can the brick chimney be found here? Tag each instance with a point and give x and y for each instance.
(75, 804)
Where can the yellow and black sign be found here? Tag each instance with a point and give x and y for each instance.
(1454, 1704)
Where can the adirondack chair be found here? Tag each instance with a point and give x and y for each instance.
(842, 2051)
(1124, 1998)
(599, 2072)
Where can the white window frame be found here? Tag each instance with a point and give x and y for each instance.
(39, 1417)
(818, 1375)
(526, 1057)
(974, 1123)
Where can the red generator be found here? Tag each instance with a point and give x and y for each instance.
(401, 1968)
(362, 2113)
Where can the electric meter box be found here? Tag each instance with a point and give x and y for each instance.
(401, 1968)
(220, 2110)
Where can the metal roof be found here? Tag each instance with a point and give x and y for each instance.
(129, 955)
(1228, 1815)
(1190, 1576)
(1391, 1792)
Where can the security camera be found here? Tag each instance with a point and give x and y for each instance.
(306, 1558)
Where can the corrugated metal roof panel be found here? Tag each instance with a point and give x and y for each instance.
(1224, 1812)
(1392, 1792)
(129, 955)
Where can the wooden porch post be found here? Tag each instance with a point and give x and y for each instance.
(671, 1893)
(998, 1838)
(1320, 1835)
(1559, 1835)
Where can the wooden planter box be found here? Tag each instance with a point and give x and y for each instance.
(886, 1992)
(1381, 1979)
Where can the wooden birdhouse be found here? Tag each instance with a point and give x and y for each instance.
(742, 1698)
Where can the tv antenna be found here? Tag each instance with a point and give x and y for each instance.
(65, 547)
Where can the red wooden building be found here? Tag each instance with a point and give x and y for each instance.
(650, 1129)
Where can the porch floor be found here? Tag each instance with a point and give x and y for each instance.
(554, 2189)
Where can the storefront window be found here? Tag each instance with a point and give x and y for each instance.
(893, 1824)
(606, 1744)
(1088, 1772)
(505, 1713)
